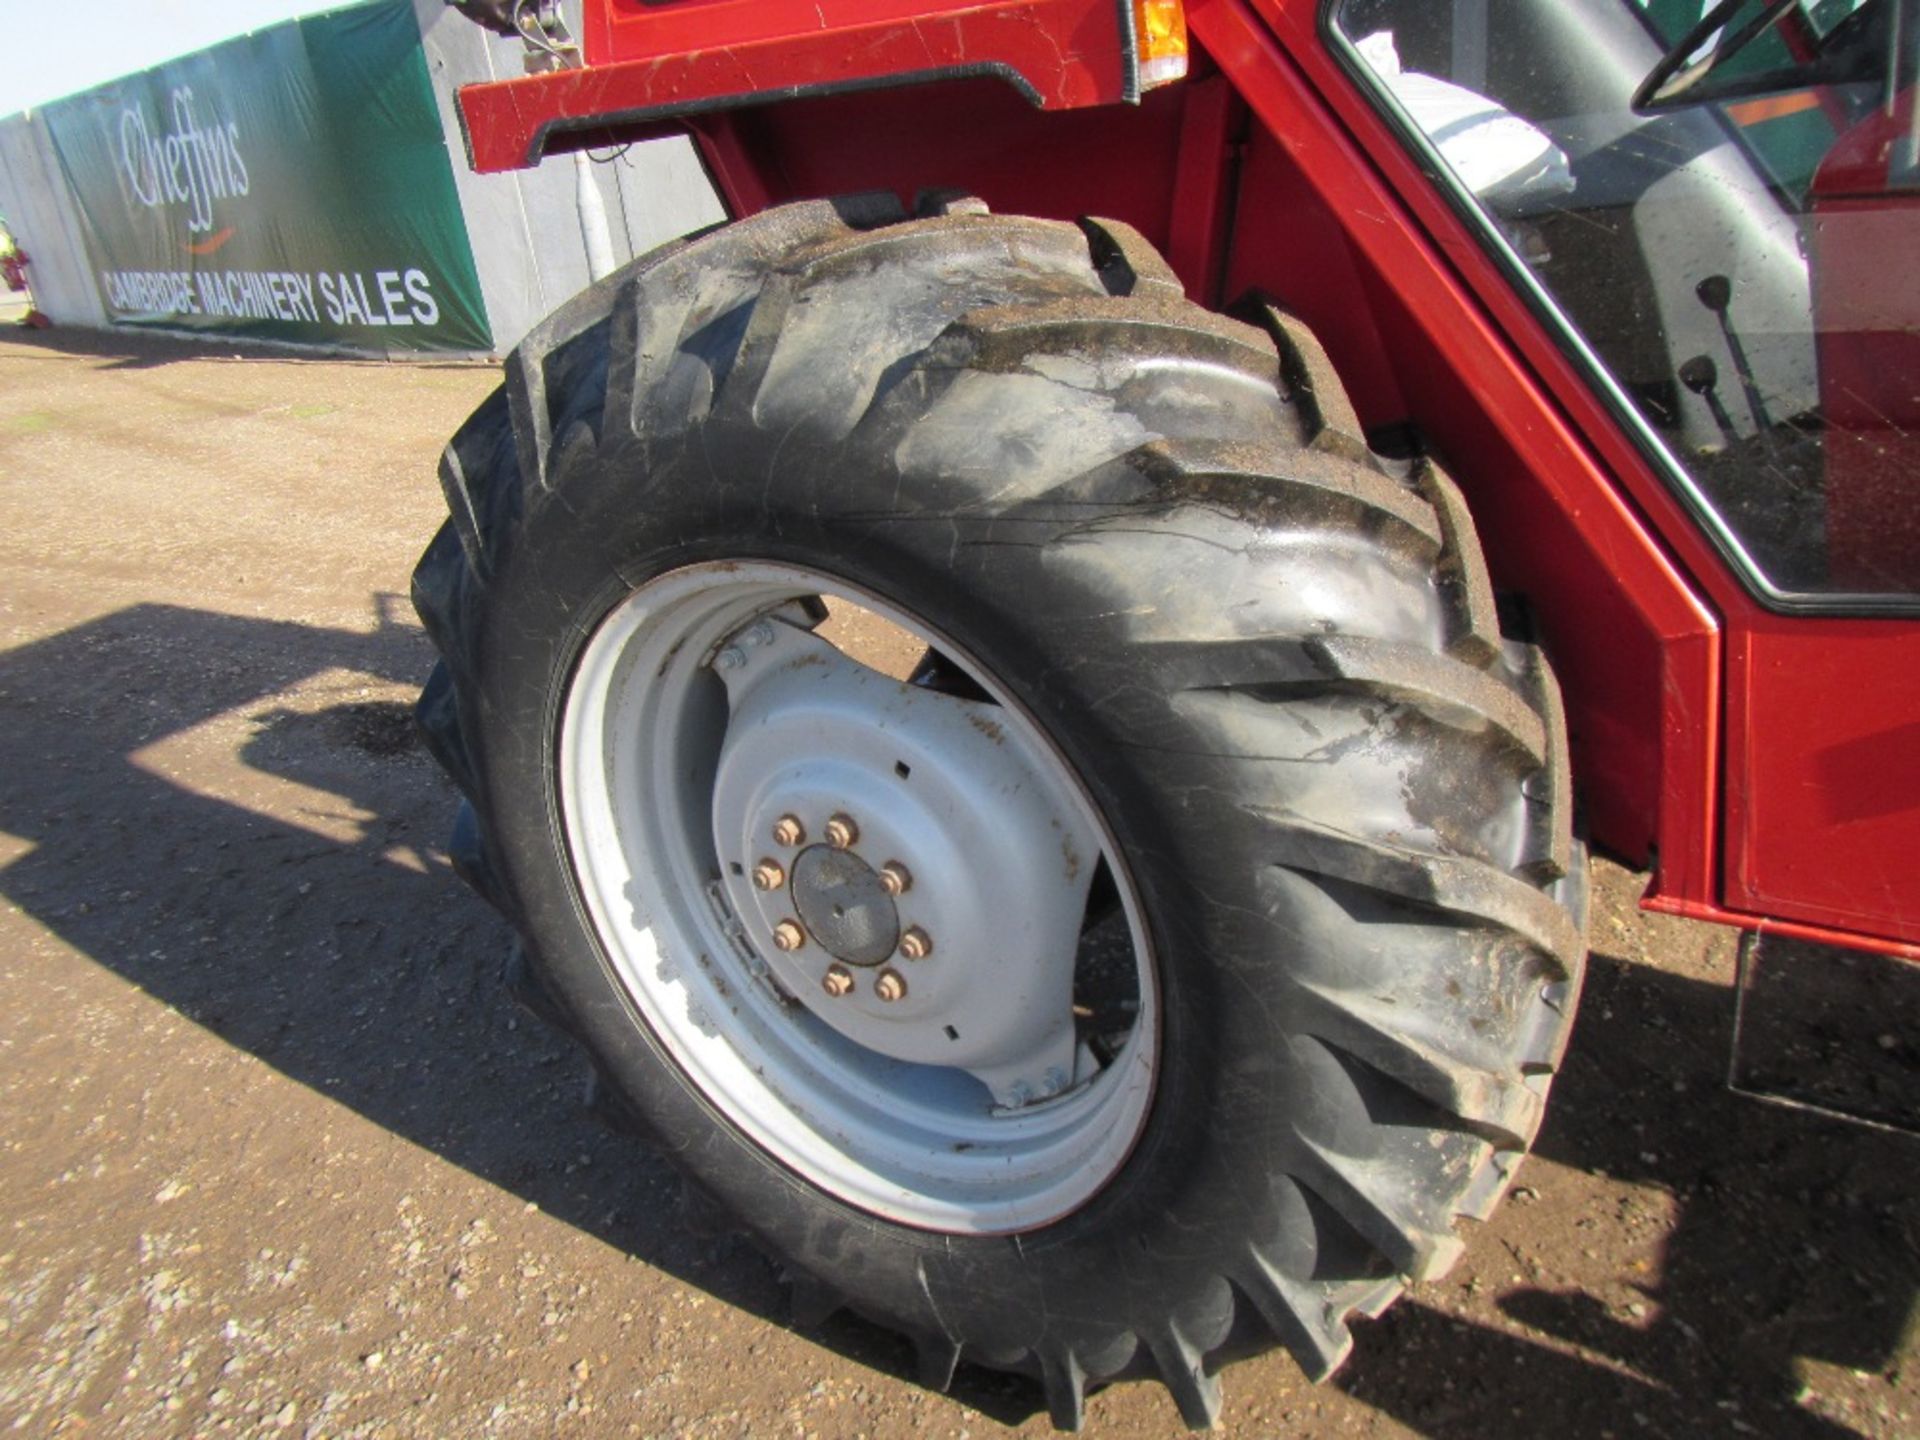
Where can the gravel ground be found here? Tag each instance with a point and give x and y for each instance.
(279, 1158)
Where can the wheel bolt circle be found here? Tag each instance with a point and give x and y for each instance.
(768, 875)
(788, 831)
(788, 935)
(916, 944)
(837, 981)
(890, 986)
(842, 833)
(895, 878)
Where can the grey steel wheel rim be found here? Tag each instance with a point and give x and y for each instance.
(949, 1090)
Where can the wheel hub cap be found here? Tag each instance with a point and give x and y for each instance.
(844, 906)
(1001, 861)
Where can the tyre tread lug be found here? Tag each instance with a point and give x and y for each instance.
(1461, 697)
(1003, 336)
(1292, 484)
(1446, 883)
(1308, 379)
(1127, 263)
(437, 716)
(1183, 1370)
(936, 1357)
(1550, 848)
(1416, 1239)
(1475, 635)
(1065, 1384)
(811, 1301)
(1300, 1313)
(523, 984)
(1491, 1097)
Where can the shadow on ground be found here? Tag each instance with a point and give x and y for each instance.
(1797, 1239)
(352, 967)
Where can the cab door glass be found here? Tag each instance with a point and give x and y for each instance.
(1720, 201)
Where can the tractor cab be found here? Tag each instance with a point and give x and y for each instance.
(1715, 224)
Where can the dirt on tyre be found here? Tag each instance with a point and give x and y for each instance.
(1158, 965)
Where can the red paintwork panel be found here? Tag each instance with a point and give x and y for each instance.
(1823, 774)
(1866, 298)
(1205, 186)
(688, 55)
(1823, 779)
(1114, 162)
(642, 29)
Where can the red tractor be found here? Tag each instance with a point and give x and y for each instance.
(1317, 465)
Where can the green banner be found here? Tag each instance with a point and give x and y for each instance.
(293, 184)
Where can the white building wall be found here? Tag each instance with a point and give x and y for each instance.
(524, 225)
(40, 215)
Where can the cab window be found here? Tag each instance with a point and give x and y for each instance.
(1720, 203)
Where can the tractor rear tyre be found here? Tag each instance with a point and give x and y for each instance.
(1160, 968)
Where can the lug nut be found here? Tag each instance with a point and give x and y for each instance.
(788, 935)
(837, 981)
(842, 832)
(916, 944)
(890, 987)
(788, 831)
(895, 878)
(768, 875)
